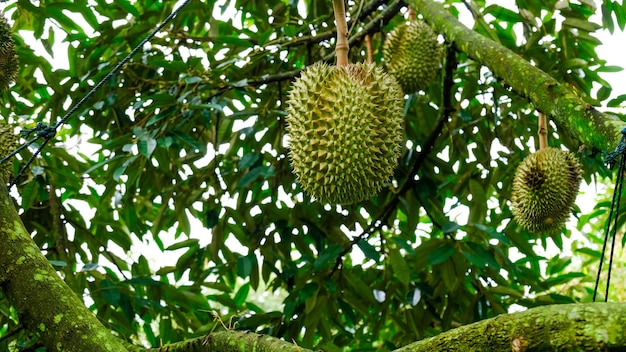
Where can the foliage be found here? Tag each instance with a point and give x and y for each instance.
(190, 160)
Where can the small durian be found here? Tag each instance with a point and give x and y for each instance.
(544, 190)
(8, 143)
(345, 127)
(412, 55)
(8, 57)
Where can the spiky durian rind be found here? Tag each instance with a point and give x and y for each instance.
(412, 55)
(345, 126)
(544, 190)
(8, 143)
(8, 56)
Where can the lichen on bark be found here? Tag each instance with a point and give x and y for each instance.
(567, 327)
(44, 303)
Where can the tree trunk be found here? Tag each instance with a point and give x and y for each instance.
(44, 303)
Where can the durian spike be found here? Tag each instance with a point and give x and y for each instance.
(370, 49)
(342, 47)
(542, 131)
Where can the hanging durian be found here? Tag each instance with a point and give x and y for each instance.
(412, 55)
(8, 58)
(544, 190)
(345, 125)
(8, 143)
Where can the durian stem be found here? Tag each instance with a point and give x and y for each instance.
(342, 47)
(411, 14)
(542, 131)
(370, 48)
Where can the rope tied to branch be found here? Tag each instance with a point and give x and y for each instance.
(610, 159)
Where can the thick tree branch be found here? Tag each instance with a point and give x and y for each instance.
(564, 327)
(232, 341)
(44, 303)
(591, 127)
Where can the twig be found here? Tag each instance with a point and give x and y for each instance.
(370, 48)
(312, 39)
(342, 47)
(542, 131)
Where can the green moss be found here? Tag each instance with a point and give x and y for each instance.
(58, 318)
(42, 327)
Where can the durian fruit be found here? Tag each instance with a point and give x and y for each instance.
(544, 189)
(412, 55)
(8, 57)
(345, 127)
(8, 143)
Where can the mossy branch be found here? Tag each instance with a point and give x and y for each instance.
(44, 303)
(563, 327)
(232, 341)
(592, 127)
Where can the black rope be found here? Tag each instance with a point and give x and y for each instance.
(48, 132)
(613, 214)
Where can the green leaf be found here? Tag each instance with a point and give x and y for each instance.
(562, 279)
(253, 174)
(327, 257)
(369, 250)
(400, 268)
(613, 103)
(241, 295)
(441, 254)
(110, 292)
(244, 266)
(248, 160)
(450, 227)
(146, 146)
(57, 262)
(192, 242)
(212, 218)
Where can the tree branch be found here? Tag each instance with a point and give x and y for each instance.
(231, 341)
(563, 327)
(591, 127)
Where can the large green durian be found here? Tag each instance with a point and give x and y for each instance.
(412, 55)
(544, 189)
(8, 142)
(345, 127)
(8, 57)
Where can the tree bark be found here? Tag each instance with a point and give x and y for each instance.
(567, 327)
(44, 303)
(232, 341)
(590, 126)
